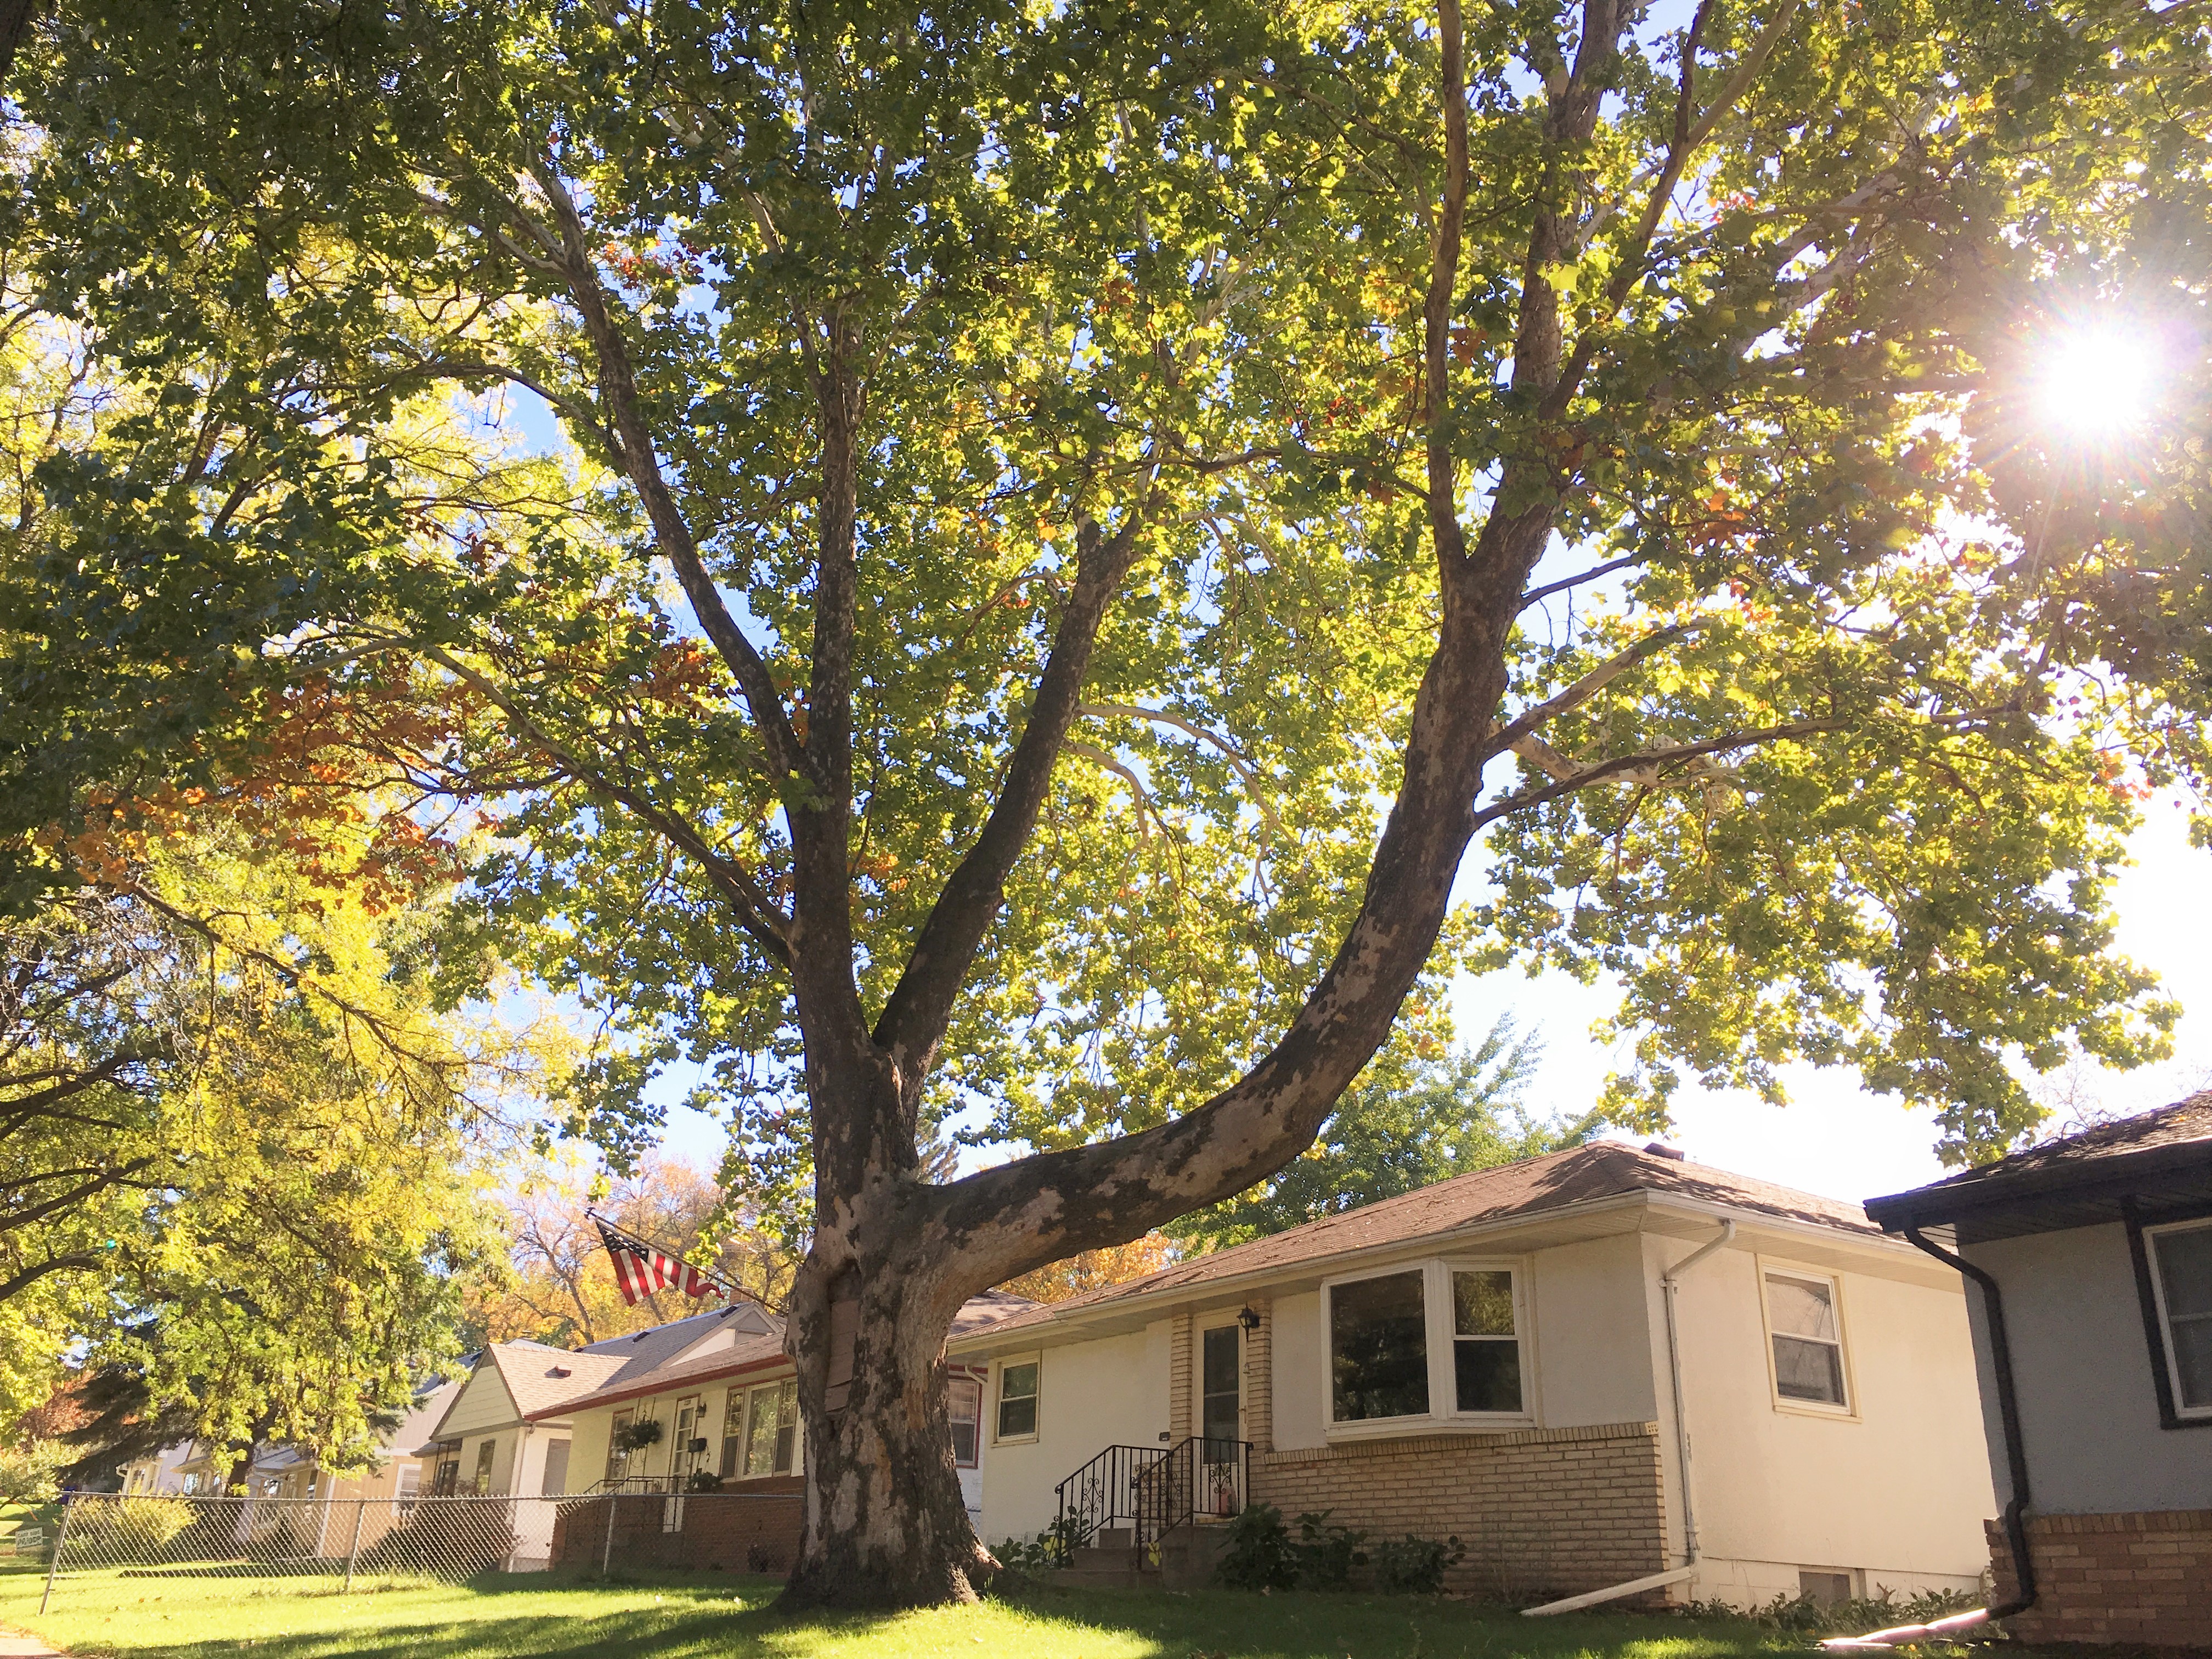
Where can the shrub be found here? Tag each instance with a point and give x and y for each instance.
(115, 1532)
(1414, 1566)
(28, 1472)
(1801, 1615)
(1259, 1554)
(1327, 1554)
(1049, 1549)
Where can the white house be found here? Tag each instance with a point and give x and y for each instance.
(1495, 1358)
(2093, 1326)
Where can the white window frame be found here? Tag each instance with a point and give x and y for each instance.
(1444, 1414)
(981, 1386)
(2151, 1235)
(1849, 1410)
(996, 1398)
(770, 1396)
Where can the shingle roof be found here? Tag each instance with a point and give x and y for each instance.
(1534, 1186)
(657, 1361)
(2071, 1182)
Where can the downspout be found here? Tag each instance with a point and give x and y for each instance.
(2015, 1512)
(1669, 1282)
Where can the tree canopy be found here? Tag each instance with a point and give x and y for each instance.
(1062, 514)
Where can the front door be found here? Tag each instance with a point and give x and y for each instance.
(1221, 1421)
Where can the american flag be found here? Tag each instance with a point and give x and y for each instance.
(639, 1270)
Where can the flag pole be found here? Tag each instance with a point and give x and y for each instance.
(730, 1286)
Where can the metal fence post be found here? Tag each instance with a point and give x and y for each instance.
(607, 1554)
(352, 1555)
(68, 1509)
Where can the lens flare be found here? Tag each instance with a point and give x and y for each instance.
(2098, 381)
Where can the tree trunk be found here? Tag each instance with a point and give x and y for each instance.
(885, 1523)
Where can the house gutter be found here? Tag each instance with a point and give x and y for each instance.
(1669, 1282)
(2016, 1511)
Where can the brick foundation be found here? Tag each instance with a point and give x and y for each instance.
(2143, 1579)
(756, 1530)
(1539, 1512)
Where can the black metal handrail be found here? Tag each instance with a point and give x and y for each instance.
(1111, 1487)
(1155, 1489)
(1199, 1477)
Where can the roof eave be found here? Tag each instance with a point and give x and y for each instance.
(649, 1388)
(1942, 1202)
(1641, 1198)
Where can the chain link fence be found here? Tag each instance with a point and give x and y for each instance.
(345, 1544)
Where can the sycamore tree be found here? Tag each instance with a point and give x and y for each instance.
(1036, 589)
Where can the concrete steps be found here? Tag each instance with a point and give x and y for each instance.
(1184, 1559)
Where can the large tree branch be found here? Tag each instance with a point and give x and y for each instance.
(671, 531)
(16, 1285)
(757, 913)
(102, 1180)
(915, 1017)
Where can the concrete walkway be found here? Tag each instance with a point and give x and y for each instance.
(14, 1646)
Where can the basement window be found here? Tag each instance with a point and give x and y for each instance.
(2181, 1285)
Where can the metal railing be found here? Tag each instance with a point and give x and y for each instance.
(1153, 1489)
(347, 1543)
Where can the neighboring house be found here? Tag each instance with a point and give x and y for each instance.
(1490, 1359)
(728, 1413)
(2095, 1256)
(287, 1488)
(161, 1475)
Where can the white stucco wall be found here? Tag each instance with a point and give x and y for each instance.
(1299, 1357)
(1895, 1493)
(1112, 1391)
(1593, 1363)
(2082, 1366)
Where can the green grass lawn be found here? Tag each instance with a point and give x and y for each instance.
(731, 1618)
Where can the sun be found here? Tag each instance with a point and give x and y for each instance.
(2098, 380)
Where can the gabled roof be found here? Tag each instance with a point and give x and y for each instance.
(2158, 1159)
(693, 1363)
(1533, 1187)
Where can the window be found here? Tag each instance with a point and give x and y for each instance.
(963, 1399)
(1808, 1339)
(481, 1485)
(618, 1453)
(1017, 1399)
(406, 1487)
(554, 1480)
(1378, 1348)
(1437, 1343)
(2181, 1285)
(1221, 1394)
(1486, 1342)
(733, 1432)
(1823, 1589)
(771, 1430)
(447, 1479)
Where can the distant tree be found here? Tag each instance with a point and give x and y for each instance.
(1407, 1123)
(1091, 1270)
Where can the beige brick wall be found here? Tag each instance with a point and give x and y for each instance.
(1259, 1379)
(1179, 1385)
(1539, 1512)
(2144, 1579)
